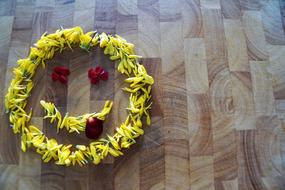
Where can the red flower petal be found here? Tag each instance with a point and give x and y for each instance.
(98, 70)
(61, 70)
(91, 72)
(54, 77)
(104, 75)
(97, 73)
(63, 79)
(94, 80)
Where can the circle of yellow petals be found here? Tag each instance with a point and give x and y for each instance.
(21, 86)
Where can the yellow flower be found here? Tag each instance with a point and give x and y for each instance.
(36, 53)
(46, 43)
(114, 142)
(126, 143)
(63, 154)
(85, 40)
(51, 150)
(96, 158)
(24, 142)
(80, 158)
(103, 40)
(74, 37)
(34, 130)
(38, 140)
(81, 147)
(105, 111)
(114, 152)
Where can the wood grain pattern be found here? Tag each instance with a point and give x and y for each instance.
(256, 43)
(218, 115)
(202, 173)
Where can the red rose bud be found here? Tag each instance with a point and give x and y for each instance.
(94, 128)
(104, 75)
(61, 70)
(63, 79)
(54, 77)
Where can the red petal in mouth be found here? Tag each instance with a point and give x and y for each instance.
(94, 128)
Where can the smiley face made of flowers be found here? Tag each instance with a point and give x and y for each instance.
(21, 86)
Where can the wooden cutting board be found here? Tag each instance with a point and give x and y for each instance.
(219, 93)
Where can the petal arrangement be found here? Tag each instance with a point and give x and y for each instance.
(60, 74)
(21, 86)
(97, 74)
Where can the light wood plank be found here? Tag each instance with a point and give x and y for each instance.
(225, 149)
(196, 66)
(128, 179)
(210, 4)
(148, 29)
(192, 19)
(202, 173)
(272, 23)
(276, 69)
(128, 7)
(5, 37)
(236, 45)
(243, 101)
(262, 88)
(255, 37)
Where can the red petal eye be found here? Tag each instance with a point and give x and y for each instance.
(54, 77)
(61, 70)
(94, 80)
(63, 79)
(65, 71)
(97, 74)
(98, 70)
(91, 72)
(104, 75)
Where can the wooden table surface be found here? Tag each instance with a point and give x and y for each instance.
(219, 93)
